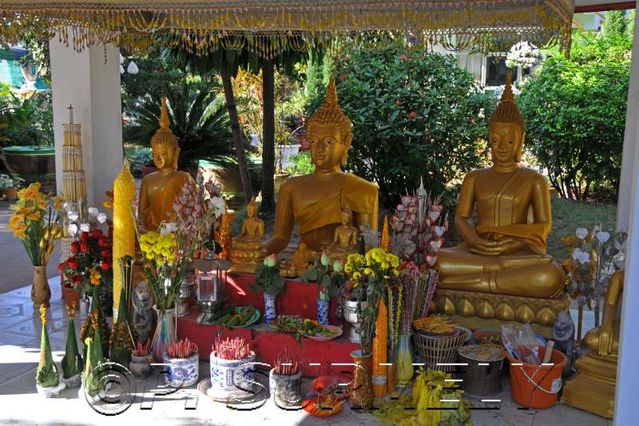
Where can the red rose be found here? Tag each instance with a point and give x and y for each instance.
(105, 265)
(73, 263)
(84, 236)
(84, 247)
(105, 253)
(76, 279)
(103, 242)
(97, 233)
(61, 266)
(412, 115)
(75, 247)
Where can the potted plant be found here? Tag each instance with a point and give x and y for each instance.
(285, 380)
(329, 278)
(229, 369)
(182, 358)
(269, 281)
(141, 359)
(35, 221)
(8, 188)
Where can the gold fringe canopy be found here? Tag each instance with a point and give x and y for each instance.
(269, 26)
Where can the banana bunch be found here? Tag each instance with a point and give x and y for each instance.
(49, 235)
(434, 324)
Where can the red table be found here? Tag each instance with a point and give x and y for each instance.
(298, 298)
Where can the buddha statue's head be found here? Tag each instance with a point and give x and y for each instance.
(329, 133)
(164, 143)
(251, 208)
(506, 129)
(347, 217)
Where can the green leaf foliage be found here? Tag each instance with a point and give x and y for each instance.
(414, 115)
(575, 111)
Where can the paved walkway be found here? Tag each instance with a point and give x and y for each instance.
(19, 353)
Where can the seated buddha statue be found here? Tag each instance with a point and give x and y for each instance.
(315, 201)
(604, 340)
(246, 247)
(593, 387)
(505, 251)
(160, 189)
(345, 239)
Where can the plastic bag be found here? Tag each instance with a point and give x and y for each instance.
(521, 342)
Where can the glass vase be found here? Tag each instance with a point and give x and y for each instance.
(404, 361)
(361, 388)
(164, 333)
(269, 308)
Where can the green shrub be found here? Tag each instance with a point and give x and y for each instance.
(415, 115)
(301, 164)
(575, 111)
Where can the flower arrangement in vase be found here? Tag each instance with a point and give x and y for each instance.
(182, 358)
(285, 380)
(230, 366)
(268, 281)
(419, 226)
(593, 257)
(36, 222)
(330, 279)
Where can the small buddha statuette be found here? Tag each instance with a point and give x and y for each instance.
(345, 239)
(246, 247)
(160, 189)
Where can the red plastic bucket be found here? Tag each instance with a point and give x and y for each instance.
(537, 386)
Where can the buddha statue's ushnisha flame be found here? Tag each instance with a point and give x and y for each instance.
(507, 110)
(164, 134)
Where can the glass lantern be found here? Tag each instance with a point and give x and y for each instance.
(211, 277)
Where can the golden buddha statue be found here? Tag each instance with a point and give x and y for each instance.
(593, 388)
(315, 202)
(246, 250)
(345, 239)
(505, 252)
(160, 189)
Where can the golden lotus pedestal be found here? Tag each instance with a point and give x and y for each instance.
(487, 310)
(593, 387)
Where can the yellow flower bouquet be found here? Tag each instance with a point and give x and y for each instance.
(36, 222)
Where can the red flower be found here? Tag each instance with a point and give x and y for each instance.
(412, 115)
(105, 253)
(75, 247)
(73, 263)
(61, 266)
(103, 242)
(76, 279)
(97, 233)
(84, 247)
(84, 236)
(105, 265)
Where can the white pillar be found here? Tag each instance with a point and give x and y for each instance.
(626, 407)
(90, 81)
(627, 178)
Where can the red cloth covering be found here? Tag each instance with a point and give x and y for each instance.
(298, 298)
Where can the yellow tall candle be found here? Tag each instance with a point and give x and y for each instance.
(380, 351)
(123, 226)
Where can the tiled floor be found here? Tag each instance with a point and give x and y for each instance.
(19, 354)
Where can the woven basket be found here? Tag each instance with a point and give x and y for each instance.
(436, 350)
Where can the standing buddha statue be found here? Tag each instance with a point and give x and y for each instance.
(505, 251)
(315, 202)
(160, 189)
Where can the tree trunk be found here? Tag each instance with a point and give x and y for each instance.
(268, 137)
(240, 154)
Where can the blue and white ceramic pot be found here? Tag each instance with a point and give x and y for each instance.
(269, 308)
(182, 372)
